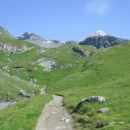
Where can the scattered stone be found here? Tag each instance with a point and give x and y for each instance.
(121, 122)
(67, 120)
(5, 68)
(33, 80)
(42, 90)
(103, 110)
(17, 67)
(55, 116)
(111, 123)
(24, 94)
(96, 99)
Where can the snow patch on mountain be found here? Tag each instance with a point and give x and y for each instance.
(98, 33)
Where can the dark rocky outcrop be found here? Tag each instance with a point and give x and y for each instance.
(81, 52)
(24, 94)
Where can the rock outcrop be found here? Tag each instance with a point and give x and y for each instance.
(13, 49)
(24, 94)
(81, 52)
(47, 63)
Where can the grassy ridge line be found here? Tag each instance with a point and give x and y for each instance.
(23, 115)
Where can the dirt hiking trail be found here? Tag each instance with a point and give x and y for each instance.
(54, 116)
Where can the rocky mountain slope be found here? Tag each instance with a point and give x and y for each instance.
(99, 39)
(38, 40)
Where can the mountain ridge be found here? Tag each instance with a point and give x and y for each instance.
(39, 40)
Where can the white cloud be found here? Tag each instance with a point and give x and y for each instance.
(99, 7)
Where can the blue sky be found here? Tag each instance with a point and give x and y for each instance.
(66, 19)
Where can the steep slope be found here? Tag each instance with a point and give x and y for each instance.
(10, 87)
(99, 39)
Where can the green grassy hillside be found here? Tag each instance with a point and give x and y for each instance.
(23, 115)
(10, 87)
(107, 73)
(67, 62)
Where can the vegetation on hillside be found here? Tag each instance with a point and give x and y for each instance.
(104, 73)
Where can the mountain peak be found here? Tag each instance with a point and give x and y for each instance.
(39, 40)
(98, 33)
(27, 36)
(99, 39)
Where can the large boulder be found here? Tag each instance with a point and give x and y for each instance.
(103, 110)
(91, 99)
(96, 99)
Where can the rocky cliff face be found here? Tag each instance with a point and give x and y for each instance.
(99, 39)
(38, 40)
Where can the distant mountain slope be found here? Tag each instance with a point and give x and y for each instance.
(99, 39)
(38, 40)
(4, 32)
